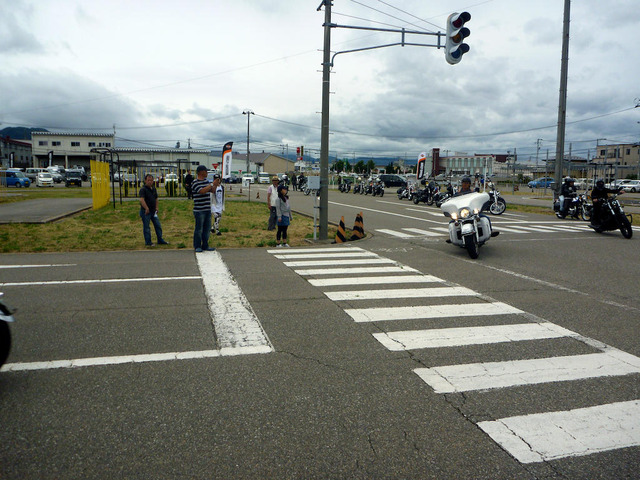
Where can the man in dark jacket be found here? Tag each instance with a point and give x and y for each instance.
(568, 190)
(149, 211)
(598, 195)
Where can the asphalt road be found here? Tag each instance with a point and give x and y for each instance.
(329, 398)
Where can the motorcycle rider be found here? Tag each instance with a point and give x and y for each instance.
(598, 195)
(465, 187)
(568, 190)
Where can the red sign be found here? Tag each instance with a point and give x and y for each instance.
(215, 166)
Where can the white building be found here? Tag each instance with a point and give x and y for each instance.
(67, 149)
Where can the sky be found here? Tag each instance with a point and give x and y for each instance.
(163, 71)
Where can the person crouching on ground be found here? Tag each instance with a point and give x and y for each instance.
(283, 213)
(149, 211)
(217, 204)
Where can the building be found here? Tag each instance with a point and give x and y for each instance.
(260, 162)
(623, 158)
(162, 160)
(67, 149)
(15, 153)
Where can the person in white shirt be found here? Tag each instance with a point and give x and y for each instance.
(217, 204)
(272, 196)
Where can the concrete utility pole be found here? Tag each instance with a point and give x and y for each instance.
(324, 131)
(562, 104)
(248, 113)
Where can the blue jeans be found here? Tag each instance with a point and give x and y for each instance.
(202, 230)
(146, 231)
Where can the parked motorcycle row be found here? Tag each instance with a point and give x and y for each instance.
(363, 188)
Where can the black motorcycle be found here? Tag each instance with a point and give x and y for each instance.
(377, 189)
(612, 217)
(498, 204)
(579, 208)
(422, 195)
(345, 186)
(357, 187)
(404, 192)
(441, 197)
(6, 317)
(368, 189)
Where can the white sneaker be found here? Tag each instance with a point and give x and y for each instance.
(286, 245)
(279, 245)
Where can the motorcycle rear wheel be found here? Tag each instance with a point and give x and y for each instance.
(415, 199)
(382, 193)
(625, 228)
(471, 244)
(430, 200)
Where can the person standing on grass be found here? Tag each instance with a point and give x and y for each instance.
(201, 189)
(272, 196)
(283, 213)
(149, 211)
(217, 204)
(188, 180)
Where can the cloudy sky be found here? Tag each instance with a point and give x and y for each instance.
(164, 71)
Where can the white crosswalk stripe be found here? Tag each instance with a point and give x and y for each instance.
(502, 226)
(529, 438)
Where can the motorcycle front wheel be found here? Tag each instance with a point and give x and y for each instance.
(430, 200)
(382, 193)
(625, 227)
(471, 244)
(498, 207)
(585, 213)
(307, 191)
(415, 199)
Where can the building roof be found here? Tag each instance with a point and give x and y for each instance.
(22, 143)
(159, 150)
(74, 134)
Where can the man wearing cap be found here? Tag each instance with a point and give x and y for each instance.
(217, 204)
(272, 196)
(201, 189)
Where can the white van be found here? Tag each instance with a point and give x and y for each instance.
(264, 177)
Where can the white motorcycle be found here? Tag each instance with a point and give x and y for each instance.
(467, 228)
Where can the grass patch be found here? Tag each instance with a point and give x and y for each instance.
(244, 225)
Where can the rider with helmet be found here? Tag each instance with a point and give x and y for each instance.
(598, 195)
(568, 191)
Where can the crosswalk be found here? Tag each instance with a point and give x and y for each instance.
(529, 438)
(503, 227)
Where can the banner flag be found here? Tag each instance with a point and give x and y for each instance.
(226, 160)
(422, 161)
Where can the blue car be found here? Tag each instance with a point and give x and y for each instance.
(14, 178)
(544, 182)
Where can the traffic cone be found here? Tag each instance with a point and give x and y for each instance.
(340, 234)
(258, 195)
(358, 228)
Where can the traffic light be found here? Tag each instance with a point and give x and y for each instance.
(456, 33)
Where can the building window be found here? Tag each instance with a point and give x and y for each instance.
(628, 151)
(75, 144)
(108, 144)
(92, 144)
(43, 143)
(55, 144)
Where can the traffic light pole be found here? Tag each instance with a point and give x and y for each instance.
(327, 63)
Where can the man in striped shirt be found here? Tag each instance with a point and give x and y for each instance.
(201, 189)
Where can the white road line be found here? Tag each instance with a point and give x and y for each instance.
(363, 209)
(316, 250)
(311, 254)
(391, 279)
(536, 228)
(105, 280)
(395, 233)
(430, 311)
(427, 211)
(441, 229)
(40, 266)
(152, 357)
(549, 436)
(355, 270)
(484, 376)
(401, 293)
(234, 322)
(500, 228)
(455, 337)
(428, 233)
(328, 263)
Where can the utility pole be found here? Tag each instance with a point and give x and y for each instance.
(538, 142)
(248, 113)
(324, 131)
(562, 103)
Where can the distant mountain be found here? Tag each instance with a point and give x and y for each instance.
(20, 133)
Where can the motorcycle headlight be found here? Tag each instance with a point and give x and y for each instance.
(476, 211)
(464, 213)
(454, 215)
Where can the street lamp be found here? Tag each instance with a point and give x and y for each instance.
(248, 113)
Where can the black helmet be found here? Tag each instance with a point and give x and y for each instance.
(465, 179)
(600, 183)
(569, 180)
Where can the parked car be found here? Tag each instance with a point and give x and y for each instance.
(632, 186)
(14, 178)
(248, 178)
(73, 178)
(57, 173)
(232, 179)
(544, 182)
(44, 179)
(392, 180)
(32, 173)
(171, 177)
